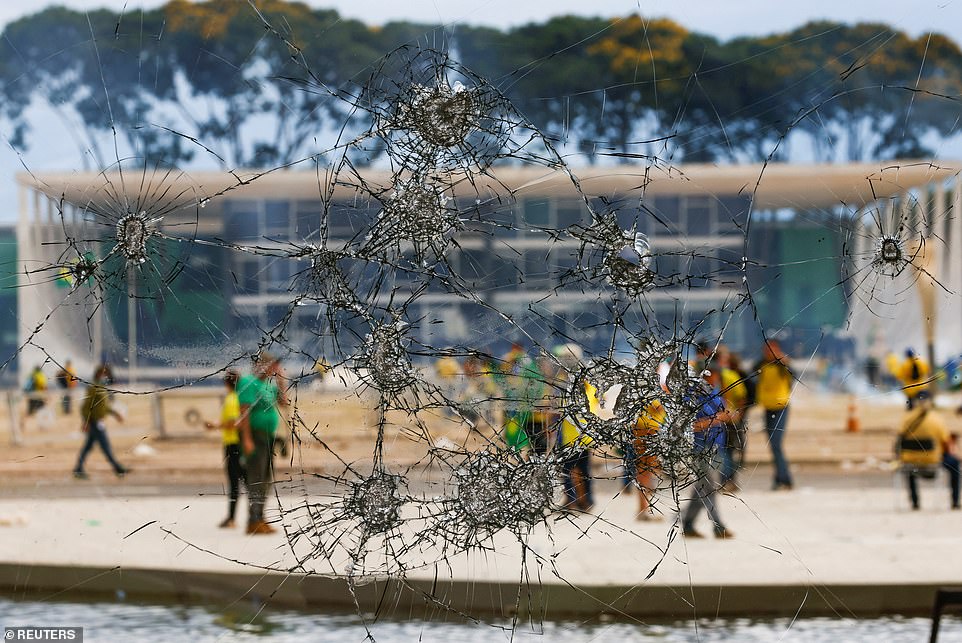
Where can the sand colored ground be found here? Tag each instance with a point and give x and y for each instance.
(340, 421)
(832, 530)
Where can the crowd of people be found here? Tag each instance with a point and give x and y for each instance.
(37, 391)
(531, 416)
(529, 390)
(249, 420)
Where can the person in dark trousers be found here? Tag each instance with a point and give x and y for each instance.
(925, 444)
(93, 413)
(709, 426)
(229, 419)
(773, 393)
(259, 396)
(738, 391)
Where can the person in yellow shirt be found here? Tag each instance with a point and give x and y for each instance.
(646, 463)
(773, 393)
(914, 374)
(229, 417)
(924, 443)
(737, 392)
(36, 391)
(575, 449)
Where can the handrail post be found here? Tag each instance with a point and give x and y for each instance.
(156, 403)
(16, 438)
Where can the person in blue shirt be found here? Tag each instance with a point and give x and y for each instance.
(709, 426)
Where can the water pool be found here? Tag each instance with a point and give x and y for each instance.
(122, 621)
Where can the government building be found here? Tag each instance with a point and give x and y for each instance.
(737, 251)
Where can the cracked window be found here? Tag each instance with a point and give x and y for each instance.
(337, 322)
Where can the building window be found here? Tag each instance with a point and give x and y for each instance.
(698, 216)
(279, 274)
(277, 219)
(732, 214)
(669, 219)
(537, 270)
(564, 262)
(242, 220)
(537, 213)
(346, 219)
(308, 219)
(247, 275)
(569, 212)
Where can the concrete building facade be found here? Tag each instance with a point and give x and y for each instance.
(226, 272)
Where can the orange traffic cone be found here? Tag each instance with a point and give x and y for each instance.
(852, 425)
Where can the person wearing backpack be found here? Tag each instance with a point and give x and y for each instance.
(914, 374)
(36, 390)
(93, 412)
(709, 441)
(924, 444)
(773, 392)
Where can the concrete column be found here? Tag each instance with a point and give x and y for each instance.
(889, 217)
(23, 250)
(912, 213)
(939, 225)
(953, 240)
(953, 252)
(862, 236)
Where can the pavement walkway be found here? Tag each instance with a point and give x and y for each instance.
(845, 550)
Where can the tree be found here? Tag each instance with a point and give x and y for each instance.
(266, 85)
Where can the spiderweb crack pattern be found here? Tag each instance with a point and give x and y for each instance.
(495, 492)
(322, 280)
(430, 112)
(439, 223)
(376, 503)
(894, 248)
(416, 211)
(384, 363)
(626, 254)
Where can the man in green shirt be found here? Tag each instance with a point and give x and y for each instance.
(259, 397)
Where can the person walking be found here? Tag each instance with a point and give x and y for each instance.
(709, 426)
(93, 413)
(259, 396)
(574, 452)
(773, 393)
(229, 418)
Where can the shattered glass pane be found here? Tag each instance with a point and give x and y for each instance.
(479, 309)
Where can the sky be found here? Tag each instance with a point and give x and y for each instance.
(722, 18)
